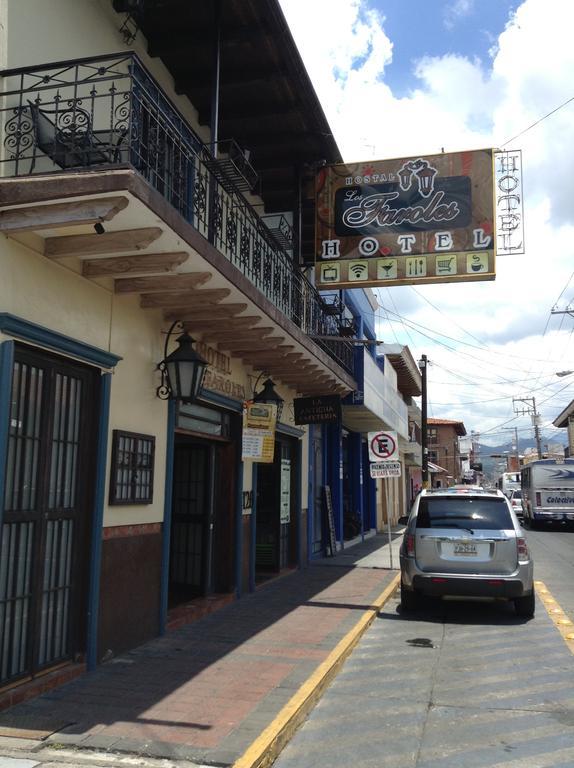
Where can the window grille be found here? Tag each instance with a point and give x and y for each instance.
(132, 468)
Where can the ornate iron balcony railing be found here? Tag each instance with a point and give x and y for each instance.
(109, 110)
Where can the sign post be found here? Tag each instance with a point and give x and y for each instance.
(383, 457)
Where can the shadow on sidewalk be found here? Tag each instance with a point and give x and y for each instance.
(196, 685)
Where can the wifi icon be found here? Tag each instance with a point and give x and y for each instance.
(358, 271)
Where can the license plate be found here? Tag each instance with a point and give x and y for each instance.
(465, 548)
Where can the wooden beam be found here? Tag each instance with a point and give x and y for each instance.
(186, 300)
(188, 314)
(61, 214)
(107, 242)
(184, 282)
(221, 323)
(247, 346)
(236, 333)
(127, 265)
(278, 354)
(315, 375)
(260, 358)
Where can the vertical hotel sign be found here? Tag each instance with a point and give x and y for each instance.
(509, 202)
(412, 220)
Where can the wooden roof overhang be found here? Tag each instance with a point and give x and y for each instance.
(148, 249)
(264, 97)
(409, 378)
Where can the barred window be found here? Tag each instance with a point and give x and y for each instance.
(132, 468)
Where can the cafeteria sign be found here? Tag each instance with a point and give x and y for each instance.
(425, 219)
(317, 410)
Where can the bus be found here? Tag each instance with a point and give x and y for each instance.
(508, 482)
(548, 491)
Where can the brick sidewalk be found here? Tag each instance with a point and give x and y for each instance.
(206, 691)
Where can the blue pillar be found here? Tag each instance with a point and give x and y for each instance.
(253, 529)
(335, 475)
(167, 503)
(356, 472)
(298, 506)
(310, 491)
(239, 527)
(6, 366)
(98, 523)
(370, 494)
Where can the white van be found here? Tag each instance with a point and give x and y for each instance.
(508, 482)
(548, 491)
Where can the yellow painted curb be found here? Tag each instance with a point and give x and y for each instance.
(562, 623)
(264, 750)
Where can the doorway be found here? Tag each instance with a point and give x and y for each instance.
(202, 549)
(48, 512)
(277, 526)
(192, 520)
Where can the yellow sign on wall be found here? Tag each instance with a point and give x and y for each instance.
(258, 439)
(411, 220)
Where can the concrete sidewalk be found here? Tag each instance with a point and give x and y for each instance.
(228, 689)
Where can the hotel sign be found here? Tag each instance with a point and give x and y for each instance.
(509, 203)
(400, 222)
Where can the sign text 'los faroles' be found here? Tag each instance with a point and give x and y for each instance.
(412, 220)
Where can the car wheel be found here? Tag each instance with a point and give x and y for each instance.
(524, 606)
(409, 599)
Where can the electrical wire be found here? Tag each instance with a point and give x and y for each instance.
(553, 112)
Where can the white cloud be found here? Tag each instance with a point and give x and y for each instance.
(459, 103)
(455, 11)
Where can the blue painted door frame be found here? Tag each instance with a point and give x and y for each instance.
(335, 475)
(356, 473)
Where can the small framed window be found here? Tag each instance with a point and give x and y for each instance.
(132, 468)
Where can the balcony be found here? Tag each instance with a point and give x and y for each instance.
(376, 405)
(108, 113)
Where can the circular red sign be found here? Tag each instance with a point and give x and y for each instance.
(383, 445)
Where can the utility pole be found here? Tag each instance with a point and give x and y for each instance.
(425, 465)
(529, 408)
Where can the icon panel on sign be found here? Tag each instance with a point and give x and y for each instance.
(330, 273)
(387, 269)
(416, 266)
(446, 265)
(358, 271)
(477, 262)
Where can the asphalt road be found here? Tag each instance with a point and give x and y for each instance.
(457, 685)
(553, 551)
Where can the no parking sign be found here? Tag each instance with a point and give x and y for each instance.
(383, 446)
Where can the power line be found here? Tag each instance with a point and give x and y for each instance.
(538, 121)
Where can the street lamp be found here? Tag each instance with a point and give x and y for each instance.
(182, 371)
(269, 396)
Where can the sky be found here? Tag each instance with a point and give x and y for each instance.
(398, 78)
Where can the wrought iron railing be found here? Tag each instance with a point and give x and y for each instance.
(109, 110)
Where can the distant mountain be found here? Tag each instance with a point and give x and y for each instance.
(492, 455)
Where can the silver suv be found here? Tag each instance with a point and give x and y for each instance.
(468, 542)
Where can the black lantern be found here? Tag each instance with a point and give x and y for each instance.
(269, 396)
(182, 371)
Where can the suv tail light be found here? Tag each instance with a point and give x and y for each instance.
(410, 540)
(538, 499)
(522, 549)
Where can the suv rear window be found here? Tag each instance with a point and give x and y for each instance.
(468, 512)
